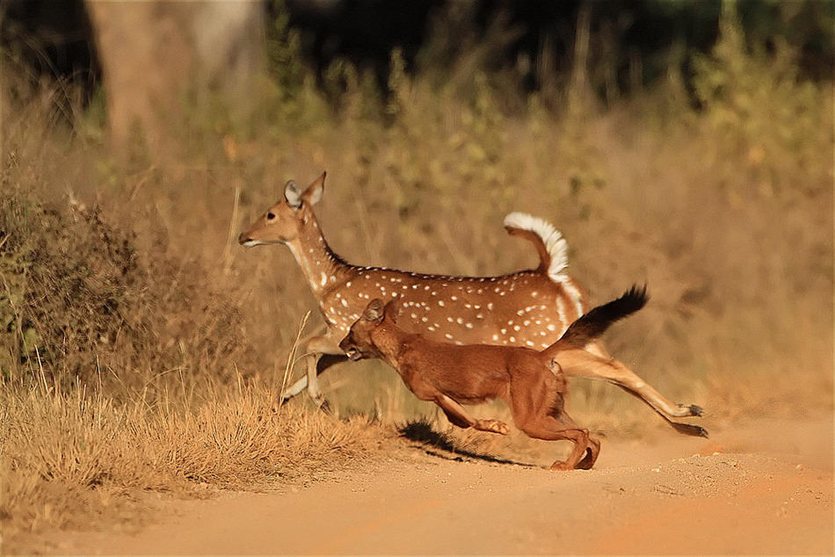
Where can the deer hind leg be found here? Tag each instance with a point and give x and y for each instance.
(580, 363)
(458, 416)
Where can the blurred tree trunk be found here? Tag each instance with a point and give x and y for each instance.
(157, 54)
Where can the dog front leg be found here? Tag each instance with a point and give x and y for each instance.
(458, 416)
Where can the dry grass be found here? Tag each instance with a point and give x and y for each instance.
(70, 459)
(142, 347)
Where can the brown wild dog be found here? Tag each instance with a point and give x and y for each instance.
(528, 308)
(531, 382)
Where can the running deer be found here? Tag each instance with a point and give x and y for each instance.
(531, 382)
(530, 308)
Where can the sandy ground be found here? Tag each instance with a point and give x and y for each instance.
(766, 487)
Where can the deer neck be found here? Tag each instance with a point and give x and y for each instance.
(322, 268)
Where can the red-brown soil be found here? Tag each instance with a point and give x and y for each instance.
(765, 487)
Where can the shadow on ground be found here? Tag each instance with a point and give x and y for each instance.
(443, 446)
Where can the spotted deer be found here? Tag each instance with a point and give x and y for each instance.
(530, 381)
(529, 308)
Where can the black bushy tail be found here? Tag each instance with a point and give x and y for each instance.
(594, 323)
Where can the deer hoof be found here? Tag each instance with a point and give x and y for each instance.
(696, 410)
(324, 406)
(690, 429)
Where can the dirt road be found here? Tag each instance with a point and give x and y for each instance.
(765, 488)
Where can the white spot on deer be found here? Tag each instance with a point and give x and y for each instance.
(545, 345)
(344, 303)
(434, 293)
(503, 331)
(534, 294)
(448, 336)
(430, 329)
(453, 298)
(529, 343)
(414, 315)
(551, 327)
(459, 321)
(424, 319)
(441, 303)
(468, 325)
(526, 322)
(323, 279)
(512, 339)
(520, 312)
(414, 287)
(516, 327)
(490, 305)
(479, 316)
(426, 287)
(348, 284)
(449, 319)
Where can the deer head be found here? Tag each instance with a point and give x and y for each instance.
(284, 221)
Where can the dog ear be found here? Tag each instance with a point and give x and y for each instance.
(393, 309)
(373, 311)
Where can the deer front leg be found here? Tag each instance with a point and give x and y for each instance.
(321, 353)
(458, 416)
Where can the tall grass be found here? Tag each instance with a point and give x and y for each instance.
(142, 347)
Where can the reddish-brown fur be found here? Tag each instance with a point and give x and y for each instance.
(529, 308)
(531, 382)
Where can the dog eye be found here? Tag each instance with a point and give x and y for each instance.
(270, 216)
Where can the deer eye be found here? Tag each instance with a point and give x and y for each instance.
(270, 216)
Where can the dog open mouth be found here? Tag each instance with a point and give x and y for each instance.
(354, 354)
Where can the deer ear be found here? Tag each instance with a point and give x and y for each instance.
(313, 193)
(293, 194)
(374, 310)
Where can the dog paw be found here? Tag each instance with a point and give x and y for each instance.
(493, 426)
(561, 466)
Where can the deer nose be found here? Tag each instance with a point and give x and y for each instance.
(243, 239)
